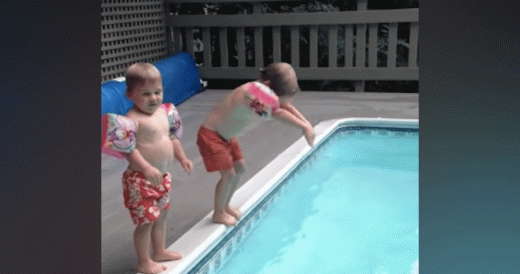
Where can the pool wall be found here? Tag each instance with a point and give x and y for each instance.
(206, 246)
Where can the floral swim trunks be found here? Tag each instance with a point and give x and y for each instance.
(142, 198)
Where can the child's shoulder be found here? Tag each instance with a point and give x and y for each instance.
(131, 113)
(243, 88)
(241, 93)
(249, 87)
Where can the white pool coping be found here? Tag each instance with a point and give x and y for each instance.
(204, 235)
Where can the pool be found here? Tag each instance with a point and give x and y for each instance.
(344, 206)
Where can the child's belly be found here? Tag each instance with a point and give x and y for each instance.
(159, 154)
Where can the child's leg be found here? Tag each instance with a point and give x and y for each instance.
(160, 253)
(142, 248)
(239, 166)
(222, 192)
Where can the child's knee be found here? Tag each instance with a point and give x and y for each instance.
(228, 174)
(164, 213)
(143, 228)
(240, 168)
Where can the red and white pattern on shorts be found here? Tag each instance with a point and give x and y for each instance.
(143, 199)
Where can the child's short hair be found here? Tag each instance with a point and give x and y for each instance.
(140, 72)
(279, 76)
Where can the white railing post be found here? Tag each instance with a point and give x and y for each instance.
(349, 45)
(414, 45)
(392, 45)
(372, 45)
(360, 45)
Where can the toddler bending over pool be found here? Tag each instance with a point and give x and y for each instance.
(216, 137)
(146, 138)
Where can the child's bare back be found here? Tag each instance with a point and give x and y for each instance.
(231, 115)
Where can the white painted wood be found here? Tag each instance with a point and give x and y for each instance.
(294, 19)
(321, 73)
(349, 45)
(360, 45)
(392, 45)
(372, 45)
(414, 44)
(360, 42)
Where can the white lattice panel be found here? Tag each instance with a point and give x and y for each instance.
(131, 31)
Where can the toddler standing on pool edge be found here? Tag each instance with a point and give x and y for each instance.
(151, 148)
(216, 137)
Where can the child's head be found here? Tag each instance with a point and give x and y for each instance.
(281, 77)
(144, 87)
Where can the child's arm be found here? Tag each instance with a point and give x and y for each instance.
(295, 112)
(151, 173)
(176, 130)
(119, 139)
(180, 155)
(286, 116)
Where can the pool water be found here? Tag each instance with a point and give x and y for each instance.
(351, 208)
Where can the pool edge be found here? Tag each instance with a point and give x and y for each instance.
(204, 235)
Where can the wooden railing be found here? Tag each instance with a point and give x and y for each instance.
(360, 56)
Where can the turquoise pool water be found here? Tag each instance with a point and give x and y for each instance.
(351, 208)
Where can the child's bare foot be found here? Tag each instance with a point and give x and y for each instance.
(224, 218)
(166, 255)
(150, 267)
(233, 212)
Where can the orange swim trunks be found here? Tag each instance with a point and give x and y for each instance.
(143, 199)
(217, 153)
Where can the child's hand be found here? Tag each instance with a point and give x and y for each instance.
(308, 132)
(153, 175)
(187, 165)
